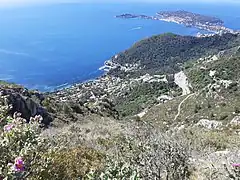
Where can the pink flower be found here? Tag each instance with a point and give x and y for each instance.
(236, 165)
(8, 127)
(19, 164)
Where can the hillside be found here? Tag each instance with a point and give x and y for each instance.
(168, 108)
(145, 72)
(166, 53)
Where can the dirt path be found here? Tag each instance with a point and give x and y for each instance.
(180, 105)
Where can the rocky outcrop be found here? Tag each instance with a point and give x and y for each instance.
(235, 121)
(209, 124)
(182, 81)
(28, 103)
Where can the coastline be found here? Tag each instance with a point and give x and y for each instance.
(124, 78)
(110, 65)
(201, 22)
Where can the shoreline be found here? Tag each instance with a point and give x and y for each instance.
(211, 24)
(110, 65)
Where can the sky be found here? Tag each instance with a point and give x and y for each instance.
(25, 2)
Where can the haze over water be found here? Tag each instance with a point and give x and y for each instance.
(46, 47)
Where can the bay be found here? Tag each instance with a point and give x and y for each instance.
(51, 46)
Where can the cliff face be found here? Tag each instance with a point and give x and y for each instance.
(28, 103)
(62, 107)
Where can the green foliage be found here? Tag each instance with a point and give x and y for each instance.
(115, 170)
(155, 155)
(22, 141)
(226, 69)
(199, 78)
(141, 96)
(25, 154)
(164, 53)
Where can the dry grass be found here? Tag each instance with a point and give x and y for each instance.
(195, 151)
(76, 163)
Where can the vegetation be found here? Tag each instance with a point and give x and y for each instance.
(26, 154)
(7, 84)
(91, 142)
(225, 69)
(142, 96)
(164, 53)
(23, 153)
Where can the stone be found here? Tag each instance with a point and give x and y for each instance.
(209, 124)
(235, 121)
(26, 102)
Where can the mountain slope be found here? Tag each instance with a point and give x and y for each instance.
(165, 53)
(216, 89)
(167, 109)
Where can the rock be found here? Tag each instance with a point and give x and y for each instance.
(212, 73)
(226, 83)
(25, 102)
(142, 114)
(164, 98)
(209, 124)
(214, 58)
(182, 81)
(235, 121)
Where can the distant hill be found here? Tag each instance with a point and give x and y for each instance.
(165, 53)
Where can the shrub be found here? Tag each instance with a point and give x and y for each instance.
(115, 170)
(202, 140)
(22, 150)
(25, 154)
(153, 154)
(234, 172)
(75, 163)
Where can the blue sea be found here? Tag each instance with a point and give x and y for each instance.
(52, 46)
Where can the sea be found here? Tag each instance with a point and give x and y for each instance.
(52, 46)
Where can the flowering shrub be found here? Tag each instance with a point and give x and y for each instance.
(3, 115)
(23, 153)
(19, 164)
(234, 172)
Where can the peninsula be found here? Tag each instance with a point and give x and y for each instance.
(189, 19)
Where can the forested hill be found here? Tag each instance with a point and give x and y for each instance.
(164, 53)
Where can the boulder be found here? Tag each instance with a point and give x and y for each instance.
(235, 121)
(28, 103)
(209, 124)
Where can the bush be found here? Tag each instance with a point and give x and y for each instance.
(115, 170)
(22, 150)
(75, 163)
(25, 154)
(202, 140)
(153, 154)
